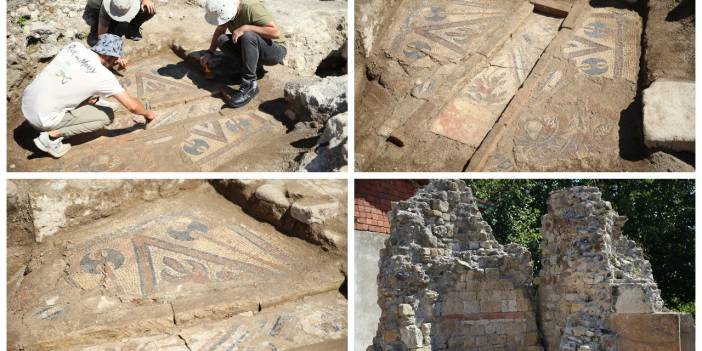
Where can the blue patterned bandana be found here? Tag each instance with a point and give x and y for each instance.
(109, 45)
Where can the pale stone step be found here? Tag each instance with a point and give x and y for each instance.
(180, 261)
(669, 115)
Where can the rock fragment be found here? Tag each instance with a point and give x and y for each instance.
(315, 99)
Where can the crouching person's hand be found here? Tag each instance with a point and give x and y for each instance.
(205, 58)
(150, 116)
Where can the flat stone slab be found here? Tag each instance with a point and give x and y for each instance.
(310, 321)
(471, 115)
(606, 43)
(651, 332)
(669, 115)
(567, 115)
(433, 50)
(446, 29)
(178, 261)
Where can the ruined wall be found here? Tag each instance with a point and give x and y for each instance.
(446, 284)
(590, 272)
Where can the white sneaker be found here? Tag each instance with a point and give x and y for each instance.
(55, 148)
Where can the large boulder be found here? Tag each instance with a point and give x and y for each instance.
(315, 99)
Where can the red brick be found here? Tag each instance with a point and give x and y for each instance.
(361, 227)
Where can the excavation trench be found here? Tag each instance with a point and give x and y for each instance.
(504, 86)
(166, 273)
(194, 129)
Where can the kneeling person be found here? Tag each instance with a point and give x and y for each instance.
(61, 102)
(250, 44)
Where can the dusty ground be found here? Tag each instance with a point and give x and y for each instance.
(176, 267)
(194, 131)
(511, 85)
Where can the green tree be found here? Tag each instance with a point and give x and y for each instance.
(661, 220)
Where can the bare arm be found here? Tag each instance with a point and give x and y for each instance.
(218, 31)
(269, 31)
(133, 105)
(103, 22)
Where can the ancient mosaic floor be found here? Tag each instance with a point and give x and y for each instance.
(484, 85)
(192, 133)
(193, 268)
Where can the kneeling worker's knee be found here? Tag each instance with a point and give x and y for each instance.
(248, 37)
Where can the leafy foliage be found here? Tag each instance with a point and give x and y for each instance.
(661, 220)
(22, 21)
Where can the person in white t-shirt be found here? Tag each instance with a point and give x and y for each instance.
(61, 101)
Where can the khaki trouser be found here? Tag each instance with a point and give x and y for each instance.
(85, 119)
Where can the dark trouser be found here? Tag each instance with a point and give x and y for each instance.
(250, 52)
(135, 23)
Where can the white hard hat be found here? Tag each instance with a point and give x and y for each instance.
(219, 12)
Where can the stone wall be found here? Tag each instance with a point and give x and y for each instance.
(47, 206)
(446, 284)
(590, 271)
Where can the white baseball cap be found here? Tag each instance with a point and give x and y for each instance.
(219, 12)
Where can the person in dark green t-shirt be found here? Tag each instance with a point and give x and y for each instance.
(250, 44)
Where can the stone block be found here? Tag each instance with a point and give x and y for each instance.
(648, 332)
(411, 336)
(390, 336)
(669, 115)
(311, 211)
(509, 305)
(471, 306)
(557, 8)
(405, 310)
(492, 273)
(631, 298)
(687, 332)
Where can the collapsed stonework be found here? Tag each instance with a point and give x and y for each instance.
(590, 272)
(446, 284)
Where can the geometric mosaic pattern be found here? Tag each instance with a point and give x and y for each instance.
(605, 44)
(446, 29)
(159, 255)
(209, 141)
(471, 115)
